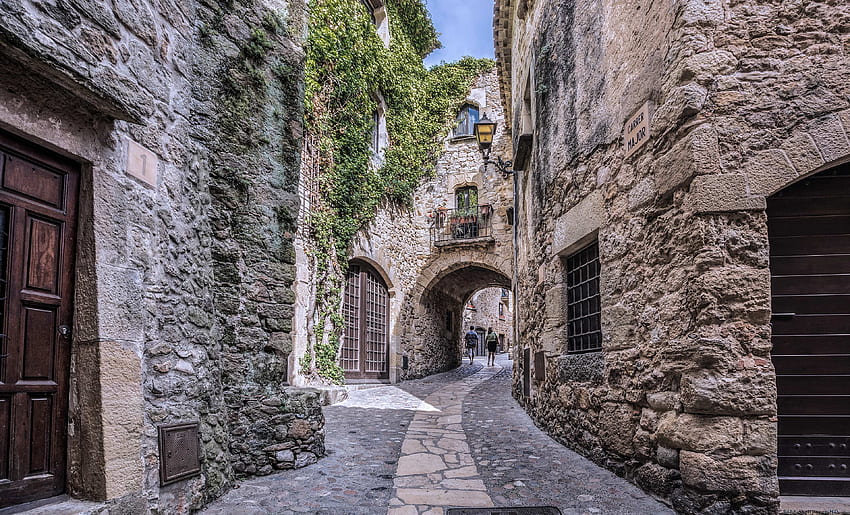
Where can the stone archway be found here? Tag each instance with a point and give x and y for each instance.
(433, 315)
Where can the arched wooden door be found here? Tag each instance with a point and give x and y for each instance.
(38, 196)
(365, 348)
(809, 228)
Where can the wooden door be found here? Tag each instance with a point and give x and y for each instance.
(38, 194)
(365, 344)
(809, 227)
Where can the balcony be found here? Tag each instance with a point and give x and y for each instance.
(467, 225)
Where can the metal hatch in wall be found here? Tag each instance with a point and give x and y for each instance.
(809, 229)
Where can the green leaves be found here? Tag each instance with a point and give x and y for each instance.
(347, 66)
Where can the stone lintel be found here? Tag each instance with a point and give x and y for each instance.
(93, 87)
(471, 242)
(579, 224)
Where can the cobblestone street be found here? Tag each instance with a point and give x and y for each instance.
(454, 439)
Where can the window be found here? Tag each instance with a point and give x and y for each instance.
(583, 303)
(466, 198)
(378, 13)
(466, 120)
(501, 311)
(379, 139)
(376, 130)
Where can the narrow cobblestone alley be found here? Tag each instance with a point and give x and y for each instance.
(453, 439)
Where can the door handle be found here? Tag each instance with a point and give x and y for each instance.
(64, 331)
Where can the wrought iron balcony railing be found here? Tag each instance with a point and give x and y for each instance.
(467, 223)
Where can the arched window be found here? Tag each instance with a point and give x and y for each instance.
(466, 120)
(365, 344)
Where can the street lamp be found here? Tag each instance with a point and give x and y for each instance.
(484, 131)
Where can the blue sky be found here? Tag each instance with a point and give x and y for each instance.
(465, 27)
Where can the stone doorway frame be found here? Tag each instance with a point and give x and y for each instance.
(105, 405)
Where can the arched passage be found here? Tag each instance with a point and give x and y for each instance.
(433, 342)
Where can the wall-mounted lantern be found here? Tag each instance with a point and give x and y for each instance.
(484, 131)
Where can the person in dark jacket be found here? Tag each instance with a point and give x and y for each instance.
(471, 339)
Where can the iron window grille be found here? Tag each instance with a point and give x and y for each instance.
(584, 333)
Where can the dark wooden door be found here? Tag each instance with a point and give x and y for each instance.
(809, 227)
(38, 194)
(365, 344)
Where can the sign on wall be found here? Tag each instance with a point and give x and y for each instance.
(636, 132)
(141, 163)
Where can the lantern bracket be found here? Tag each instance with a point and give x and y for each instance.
(504, 167)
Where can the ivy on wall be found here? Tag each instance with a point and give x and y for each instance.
(347, 65)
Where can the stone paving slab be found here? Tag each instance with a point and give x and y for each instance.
(418, 448)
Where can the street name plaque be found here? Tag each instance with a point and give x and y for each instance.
(636, 131)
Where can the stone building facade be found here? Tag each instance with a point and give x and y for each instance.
(682, 208)
(491, 307)
(428, 271)
(149, 155)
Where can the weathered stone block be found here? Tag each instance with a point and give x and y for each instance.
(738, 474)
(700, 433)
(663, 401)
(696, 154)
(701, 12)
(617, 424)
(722, 193)
(657, 479)
(768, 171)
(581, 367)
(745, 392)
(668, 457)
(830, 137)
(305, 458)
(682, 103)
(707, 66)
(803, 154)
(578, 223)
(286, 456)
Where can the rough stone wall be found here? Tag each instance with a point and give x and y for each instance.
(398, 243)
(183, 287)
(253, 91)
(745, 98)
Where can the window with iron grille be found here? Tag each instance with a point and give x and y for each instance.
(583, 303)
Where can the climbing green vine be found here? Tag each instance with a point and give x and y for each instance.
(347, 69)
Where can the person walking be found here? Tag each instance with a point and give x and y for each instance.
(471, 339)
(492, 343)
